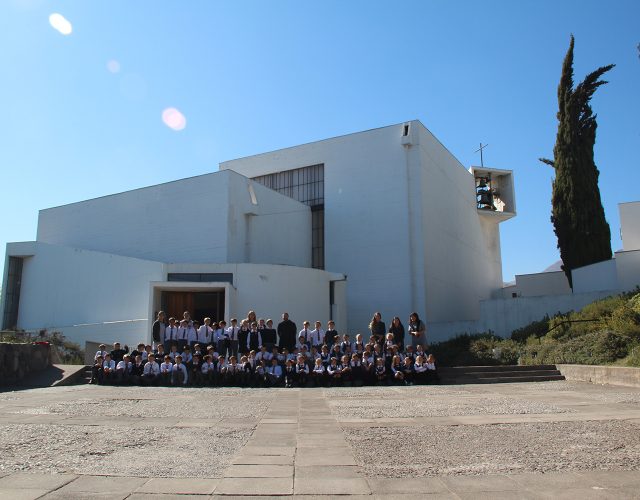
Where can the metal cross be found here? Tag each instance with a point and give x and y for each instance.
(481, 148)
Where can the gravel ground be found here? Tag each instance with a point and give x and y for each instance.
(381, 407)
(492, 449)
(107, 450)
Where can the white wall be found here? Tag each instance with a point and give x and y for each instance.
(502, 316)
(551, 283)
(630, 225)
(400, 221)
(270, 290)
(461, 246)
(366, 220)
(64, 287)
(595, 277)
(628, 270)
(200, 219)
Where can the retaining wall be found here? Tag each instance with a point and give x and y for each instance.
(614, 375)
(18, 361)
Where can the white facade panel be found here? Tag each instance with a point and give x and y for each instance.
(552, 283)
(630, 225)
(628, 270)
(595, 277)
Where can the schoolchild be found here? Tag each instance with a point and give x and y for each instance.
(325, 356)
(302, 370)
(358, 345)
(174, 352)
(137, 370)
(396, 370)
(139, 350)
(275, 354)
(264, 355)
(316, 336)
(123, 370)
(319, 373)
(293, 356)
(109, 370)
(151, 371)
(208, 370)
(432, 371)
(388, 343)
(243, 336)
(158, 353)
(179, 374)
(368, 365)
(101, 352)
(221, 371)
(420, 369)
(347, 373)
(269, 335)
(260, 373)
(170, 334)
(220, 338)
(420, 352)
(289, 373)
(244, 372)
(197, 351)
(334, 372)
(192, 334)
(274, 373)
(337, 351)
(410, 354)
(301, 342)
(186, 356)
(330, 335)
(356, 369)
(183, 335)
(252, 360)
(147, 350)
(305, 333)
(231, 341)
(195, 371)
(408, 371)
(166, 368)
(117, 354)
(232, 377)
(97, 372)
(254, 339)
(204, 332)
(346, 343)
(381, 371)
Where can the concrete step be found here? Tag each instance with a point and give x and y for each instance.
(499, 374)
(492, 368)
(503, 380)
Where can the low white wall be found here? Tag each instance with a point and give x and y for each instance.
(595, 277)
(534, 285)
(502, 316)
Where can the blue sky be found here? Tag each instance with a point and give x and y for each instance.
(254, 76)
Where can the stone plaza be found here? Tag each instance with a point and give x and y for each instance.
(522, 440)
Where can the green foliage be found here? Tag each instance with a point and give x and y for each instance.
(64, 351)
(536, 329)
(614, 336)
(476, 349)
(577, 214)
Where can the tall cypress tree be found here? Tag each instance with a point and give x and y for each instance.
(577, 213)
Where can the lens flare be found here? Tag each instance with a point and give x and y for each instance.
(113, 66)
(174, 119)
(59, 23)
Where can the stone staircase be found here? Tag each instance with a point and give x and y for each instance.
(498, 374)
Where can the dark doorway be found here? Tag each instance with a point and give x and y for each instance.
(199, 304)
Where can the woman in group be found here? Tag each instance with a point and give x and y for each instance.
(377, 327)
(397, 328)
(417, 330)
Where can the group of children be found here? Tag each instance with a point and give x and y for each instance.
(377, 362)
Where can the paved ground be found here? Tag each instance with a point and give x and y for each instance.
(544, 440)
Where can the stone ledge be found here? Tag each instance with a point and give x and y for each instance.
(597, 374)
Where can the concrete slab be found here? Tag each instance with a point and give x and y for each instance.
(326, 471)
(384, 486)
(83, 495)
(258, 471)
(331, 486)
(265, 486)
(288, 451)
(263, 460)
(98, 484)
(459, 484)
(35, 481)
(21, 494)
(180, 486)
(320, 456)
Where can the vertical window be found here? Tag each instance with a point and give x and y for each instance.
(12, 300)
(305, 185)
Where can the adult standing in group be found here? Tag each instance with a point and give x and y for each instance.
(287, 331)
(417, 330)
(269, 338)
(378, 328)
(157, 330)
(397, 328)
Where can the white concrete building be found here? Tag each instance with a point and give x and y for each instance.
(383, 220)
